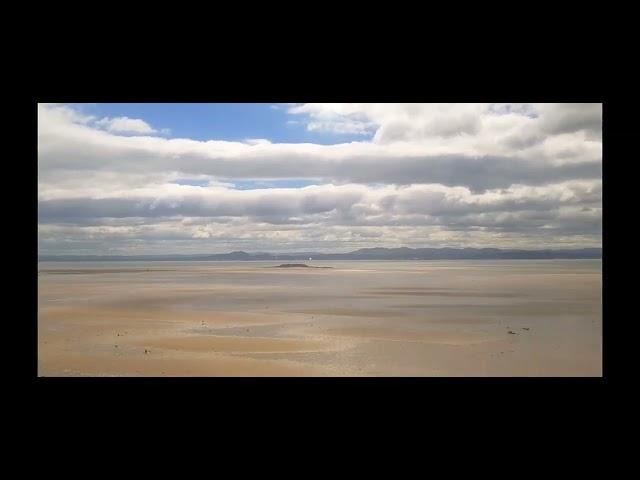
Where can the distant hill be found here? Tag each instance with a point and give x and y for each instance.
(403, 253)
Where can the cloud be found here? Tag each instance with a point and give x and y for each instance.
(510, 175)
(126, 125)
(257, 141)
(403, 122)
(558, 118)
(518, 208)
(334, 120)
(506, 157)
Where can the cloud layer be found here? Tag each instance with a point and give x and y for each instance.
(506, 175)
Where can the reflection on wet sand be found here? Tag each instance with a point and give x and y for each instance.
(458, 318)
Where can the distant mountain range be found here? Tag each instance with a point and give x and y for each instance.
(403, 253)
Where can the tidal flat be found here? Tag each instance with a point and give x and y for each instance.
(360, 318)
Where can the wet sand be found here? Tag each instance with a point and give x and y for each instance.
(440, 318)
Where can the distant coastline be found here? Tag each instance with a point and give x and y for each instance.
(361, 254)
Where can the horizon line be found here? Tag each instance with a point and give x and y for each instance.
(575, 249)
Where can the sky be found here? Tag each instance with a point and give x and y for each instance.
(124, 179)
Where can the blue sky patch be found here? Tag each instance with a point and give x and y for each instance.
(221, 121)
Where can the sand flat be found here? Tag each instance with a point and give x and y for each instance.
(465, 318)
(177, 365)
(231, 344)
(432, 337)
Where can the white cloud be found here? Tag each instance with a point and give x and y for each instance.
(125, 125)
(524, 175)
(257, 141)
(397, 122)
(517, 209)
(334, 119)
(499, 156)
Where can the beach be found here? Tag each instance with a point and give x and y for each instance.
(476, 318)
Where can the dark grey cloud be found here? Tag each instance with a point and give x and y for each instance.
(559, 118)
(477, 173)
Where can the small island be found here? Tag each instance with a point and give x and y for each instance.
(296, 265)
